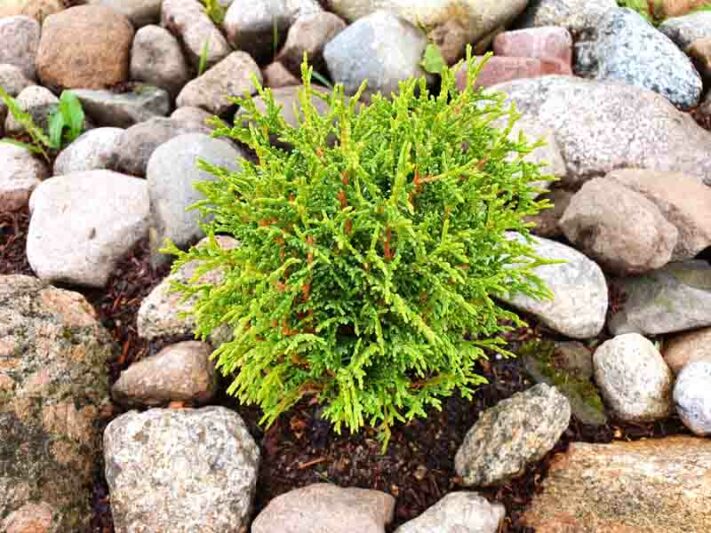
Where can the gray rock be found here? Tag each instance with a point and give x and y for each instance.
(187, 20)
(138, 143)
(172, 174)
(19, 41)
(626, 48)
(659, 484)
(156, 59)
(53, 385)
(514, 433)
(180, 372)
(139, 12)
(12, 79)
(38, 102)
(309, 35)
(684, 348)
(230, 77)
(578, 16)
(476, 21)
(458, 512)
(20, 173)
(93, 150)
(692, 396)
(634, 380)
(122, 110)
(619, 228)
(579, 302)
(180, 470)
(674, 298)
(687, 29)
(363, 51)
(252, 25)
(328, 509)
(684, 201)
(163, 313)
(614, 126)
(82, 223)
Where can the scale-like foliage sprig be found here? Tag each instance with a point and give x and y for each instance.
(373, 243)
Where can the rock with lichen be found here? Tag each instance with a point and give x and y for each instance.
(53, 384)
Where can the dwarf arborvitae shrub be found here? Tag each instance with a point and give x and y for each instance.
(373, 245)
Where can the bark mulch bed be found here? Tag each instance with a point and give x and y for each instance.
(300, 448)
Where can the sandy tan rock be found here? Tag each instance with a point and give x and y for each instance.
(682, 349)
(659, 485)
(85, 47)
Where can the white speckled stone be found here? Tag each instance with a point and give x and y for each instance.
(633, 378)
(692, 396)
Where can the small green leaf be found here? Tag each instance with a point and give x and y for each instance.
(73, 114)
(56, 127)
(432, 60)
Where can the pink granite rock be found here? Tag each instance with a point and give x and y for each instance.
(550, 43)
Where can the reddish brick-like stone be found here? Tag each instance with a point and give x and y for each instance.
(500, 69)
(550, 43)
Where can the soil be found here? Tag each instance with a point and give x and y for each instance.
(300, 448)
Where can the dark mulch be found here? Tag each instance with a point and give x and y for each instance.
(703, 119)
(13, 235)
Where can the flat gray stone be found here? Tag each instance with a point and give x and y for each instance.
(458, 512)
(92, 150)
(122, 110)
(633, 378)
(172, 175)
(514, 433)
(180, 470)
(614, 126)
(687, 29)
(83, 223)
(579, 302)
(674, 298)
(692, 396)
(364, 51)
(626, 48)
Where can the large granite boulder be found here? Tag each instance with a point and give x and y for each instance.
(647, 485)
(53, 385)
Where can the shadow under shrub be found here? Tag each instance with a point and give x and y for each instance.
(371, 249)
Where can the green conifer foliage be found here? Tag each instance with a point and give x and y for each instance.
(373, 245)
